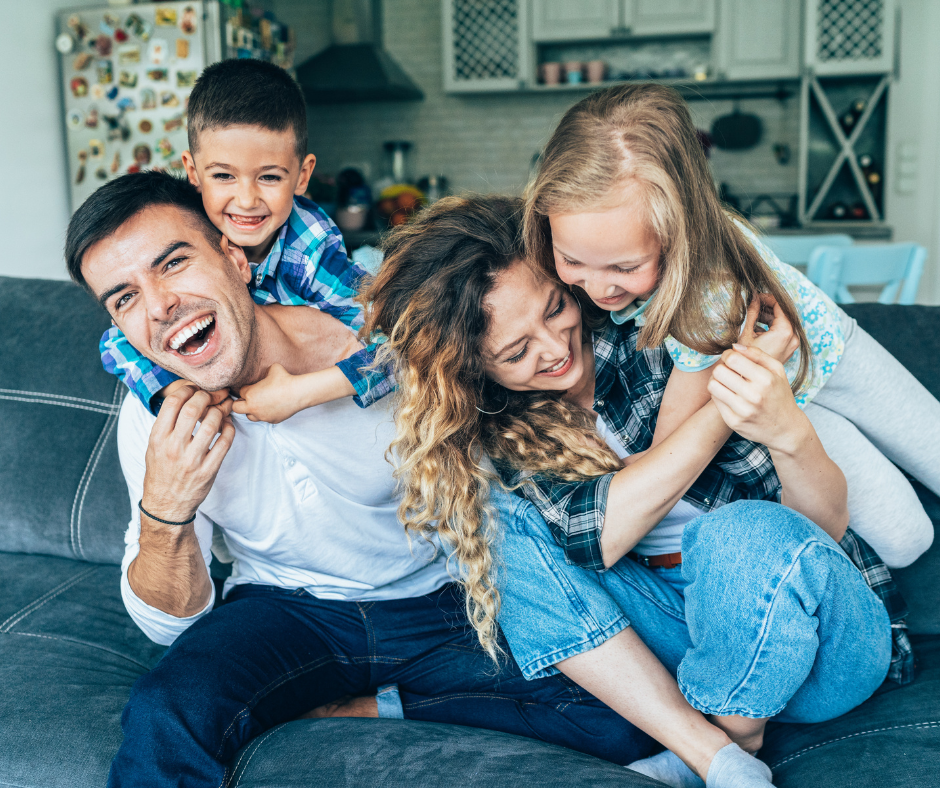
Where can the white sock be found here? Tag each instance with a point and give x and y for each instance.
(667, 767)
(733, 768)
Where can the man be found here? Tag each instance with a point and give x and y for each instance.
(327, 597)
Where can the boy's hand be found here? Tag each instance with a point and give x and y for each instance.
(215, 397)
(272, 399)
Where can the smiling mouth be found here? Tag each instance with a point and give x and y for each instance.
(561, 368)
(610, 299)
(192, 340)
(246, 222)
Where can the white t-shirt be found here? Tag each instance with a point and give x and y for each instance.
(308, 503)
(666, 537)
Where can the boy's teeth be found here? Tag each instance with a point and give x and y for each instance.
(192, 330)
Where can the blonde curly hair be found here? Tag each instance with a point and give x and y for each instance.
(428, 300)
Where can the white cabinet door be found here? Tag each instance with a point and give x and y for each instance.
(564, 20)
(652, 17)
(758, 39)
(487, 45)
(850, 36)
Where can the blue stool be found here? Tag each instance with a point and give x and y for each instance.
(797, 249)
(834, 268)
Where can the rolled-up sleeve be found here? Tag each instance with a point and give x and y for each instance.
(134, 427)
(575, 514)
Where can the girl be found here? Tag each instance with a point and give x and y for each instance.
(624, 209)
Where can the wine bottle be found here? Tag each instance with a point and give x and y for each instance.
(838, 210)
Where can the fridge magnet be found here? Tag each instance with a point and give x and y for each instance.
(148, 99)
(112, 93)
(79, 29)
(157, 51)
(91, 119)
(112, 21)
(145, 126)
(165, 148)
(188, 20)
(169, 99)
(128, 79)
(172, 124)
(75, 119)
(64, 43)
(101, 173)
(116, 162)
(120, 36)
(185, 79)
(105, 72)
(95, 149)
(126, 103)
(133, 168)
(106, 28)
(118, 128)
(103, 45)
(79, 87)
(137, 27)
(182, 48)
(82, 61)
(177, 164)
(80, 173)
(158, 75)
(97, 92)
(142, 155)
(129, 54)
(166, 17)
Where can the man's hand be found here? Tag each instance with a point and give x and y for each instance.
(272, 399)
(181, 465)
(216, 397)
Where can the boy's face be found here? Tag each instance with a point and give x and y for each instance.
(248, 177)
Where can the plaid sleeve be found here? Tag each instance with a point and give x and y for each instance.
(574, 512)
(370, 384)
(140, 375)
(880, 581)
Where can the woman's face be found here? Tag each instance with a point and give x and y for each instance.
(612, 255)
(534, 340)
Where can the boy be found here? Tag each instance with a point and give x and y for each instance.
(247, 157)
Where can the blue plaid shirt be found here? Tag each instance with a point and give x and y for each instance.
(308, 264)
(628, 392)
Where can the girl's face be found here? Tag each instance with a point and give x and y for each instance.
(534, 340)
(612, 255)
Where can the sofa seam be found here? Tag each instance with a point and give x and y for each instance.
(794, 756)
(255, 750)
(75, 523)
(57, 396)
(33, 606)
(81, 643)
(43, 400)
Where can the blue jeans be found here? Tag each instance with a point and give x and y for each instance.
(268, 655)
(767, 616)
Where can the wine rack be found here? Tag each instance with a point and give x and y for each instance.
(843, 149)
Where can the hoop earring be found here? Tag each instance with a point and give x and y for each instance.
(494, 412)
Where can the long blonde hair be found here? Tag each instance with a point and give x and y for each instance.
(428, 300)
(644, 134)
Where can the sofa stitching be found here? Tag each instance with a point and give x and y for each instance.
(269, 735)
(56, 396)
(75, 522)
(133, 661)
(932, 724)
(33, 606)
(36, 400)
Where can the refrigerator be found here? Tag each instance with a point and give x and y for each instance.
(126, 73)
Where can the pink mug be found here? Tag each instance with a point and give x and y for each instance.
(551, 73)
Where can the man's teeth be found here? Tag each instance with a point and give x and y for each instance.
(559, 365)
(190, 331)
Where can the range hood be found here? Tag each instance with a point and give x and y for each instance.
(356, 67)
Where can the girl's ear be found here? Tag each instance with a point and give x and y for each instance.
(238, 258)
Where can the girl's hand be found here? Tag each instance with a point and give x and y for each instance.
(271, 399)
(779, 341)
(752, 393)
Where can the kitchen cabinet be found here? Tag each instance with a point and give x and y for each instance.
(758, 39)
(850, 37)
(563, 20)
(487, 45)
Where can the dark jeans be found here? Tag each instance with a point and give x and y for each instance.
(268, 655)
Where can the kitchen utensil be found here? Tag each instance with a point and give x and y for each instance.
(737, 131)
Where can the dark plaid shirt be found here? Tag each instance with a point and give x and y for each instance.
(628, 392)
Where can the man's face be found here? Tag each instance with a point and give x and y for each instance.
(179, 300)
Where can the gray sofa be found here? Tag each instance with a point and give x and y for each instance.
(69, 653)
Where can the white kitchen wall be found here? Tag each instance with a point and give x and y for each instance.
(34, 208)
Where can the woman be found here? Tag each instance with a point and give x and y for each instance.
(491, 362)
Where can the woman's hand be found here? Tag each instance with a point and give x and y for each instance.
(271, 399)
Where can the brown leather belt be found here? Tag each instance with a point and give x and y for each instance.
(666, 560)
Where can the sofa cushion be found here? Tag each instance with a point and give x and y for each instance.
(61, 488)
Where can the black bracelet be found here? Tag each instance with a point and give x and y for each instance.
(140, 505)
